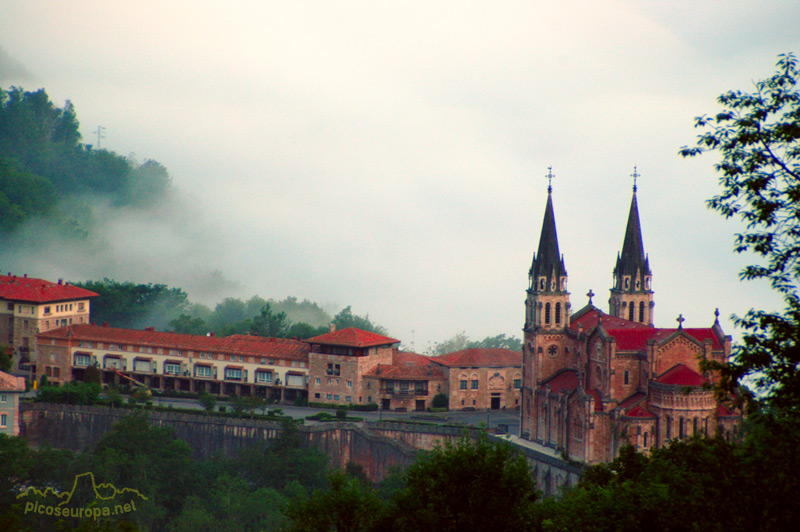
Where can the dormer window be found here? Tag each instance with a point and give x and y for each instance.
(647, 283)
(637, 285)
(564, 284)
(541, 283)
(627, 283)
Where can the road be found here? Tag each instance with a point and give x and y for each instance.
(510, 418)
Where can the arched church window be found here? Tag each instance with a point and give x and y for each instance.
(681, 432)
(558, 313)
(641, 311)
(553, 285)
(627, 283)
(637, 284)
(539, 350)
(630, 311)
(645, 439)
(563, 284)
(647, 283)
(547, 313)
(627, 377)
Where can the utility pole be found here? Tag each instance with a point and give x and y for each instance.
(100, 135)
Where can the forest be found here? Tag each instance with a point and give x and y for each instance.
(47, 172)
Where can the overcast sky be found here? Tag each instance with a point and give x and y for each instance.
(392, 155)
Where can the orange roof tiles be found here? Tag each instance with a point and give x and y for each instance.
(352, 337)
(639, 412)
(239, 344)
(563, 381)
(480, 357)
(681, 375)
(29, 289)
(9, 383)
(408, 366)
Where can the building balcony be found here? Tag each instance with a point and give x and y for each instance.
(396, 392)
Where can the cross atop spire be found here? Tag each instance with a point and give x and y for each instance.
(680, 321)
(590, 295)
(550, 175)
(635, 175)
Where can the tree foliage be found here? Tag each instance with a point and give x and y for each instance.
(757, 136)
(346, 318)
(466, 486)
(461, 341)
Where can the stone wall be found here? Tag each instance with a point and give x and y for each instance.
(376, 446)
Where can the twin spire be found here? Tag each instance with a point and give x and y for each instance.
(632, 273)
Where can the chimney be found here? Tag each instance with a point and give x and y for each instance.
(59, 281)
(150, 329)
(25, 275)
(105, 324)
(332, 327)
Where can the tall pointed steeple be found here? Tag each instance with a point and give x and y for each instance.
(548, 267)
(631, 295)
(548, 299)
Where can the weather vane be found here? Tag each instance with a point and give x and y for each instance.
(550, 177)
(635, 175)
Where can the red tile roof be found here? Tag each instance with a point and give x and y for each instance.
(593, 316)
(632, 400)
(639, 412)
(29, 289)
(681, 375)
(352, 337)
(723, 411)
(563, 381)
(480, 357)
(9, 383)
(409, 366)
(238, 344)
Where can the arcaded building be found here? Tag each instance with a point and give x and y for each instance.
(594, 380)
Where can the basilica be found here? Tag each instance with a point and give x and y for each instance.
(594, 381)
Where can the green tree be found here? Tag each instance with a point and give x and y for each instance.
(483, 485)
(208, 401)
(135, 306)
(269, 324)
(186, 324)
(346, 319)
(5, 360)
(348, 506)
(757, 136)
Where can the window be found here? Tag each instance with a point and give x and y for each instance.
(517, 384)
(462, 384)
(318, 381)
(348, 399)
(316, 395)
(113, 362)
(558, 313)
(474, 384)
(142, 365)
(552, 350)
(547, 313)
(333, 369)
(47, 310)
(82, 360)
(3, 420)
(630, 311)
(233, 374)
(328, 396)
(202, 371)
(336, 397)
(627, 377)
(263, 376)
(641, 311)
(349, 384)
(3, 398)
(80, 306)
(171, 368)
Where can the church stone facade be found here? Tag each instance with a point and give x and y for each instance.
(595, 381)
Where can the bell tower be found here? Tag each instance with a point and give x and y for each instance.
(632, 293)
(547, 315)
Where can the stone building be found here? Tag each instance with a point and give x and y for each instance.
(483, 378)
(593, 381)
(410, 382)
(29, 306)
(11, 389)
(338, 361)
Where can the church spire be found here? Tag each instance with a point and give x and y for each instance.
(548, 300)
(548, 265)
(632, 275)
